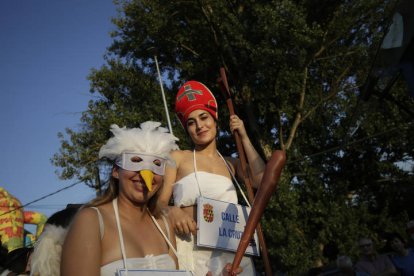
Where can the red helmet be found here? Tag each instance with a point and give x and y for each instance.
(194, 95)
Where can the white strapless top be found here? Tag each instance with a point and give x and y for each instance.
(163, 261)
(159, 262)
(212, 186)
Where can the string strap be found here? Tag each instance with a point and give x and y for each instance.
(165, 237)
(230, 171)
(121, 238)
(235, 180)
(195, 172)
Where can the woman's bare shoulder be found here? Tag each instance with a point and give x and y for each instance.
(84, 225)
(86, 213)
(179, 155)
(233, 162)
(183, 161)
(180, 152)
(86, 216)
(90, 213)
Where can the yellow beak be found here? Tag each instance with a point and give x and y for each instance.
(147, 175)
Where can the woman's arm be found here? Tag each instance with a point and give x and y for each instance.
(226, 270)
(173, 242)
(81, 252)
(256, 163)
(181, 222)
(167, 188)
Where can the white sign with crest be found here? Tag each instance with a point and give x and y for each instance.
(221, 225)
(149, 272)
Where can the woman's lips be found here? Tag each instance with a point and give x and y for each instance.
(201, 133)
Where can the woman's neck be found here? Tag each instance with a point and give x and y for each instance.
(207, 149)
(134, 210)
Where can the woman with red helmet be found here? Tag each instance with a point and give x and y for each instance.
(203, 171)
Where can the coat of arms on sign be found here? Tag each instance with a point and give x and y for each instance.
(208, 212)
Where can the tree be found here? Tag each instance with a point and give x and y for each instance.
(297, 69)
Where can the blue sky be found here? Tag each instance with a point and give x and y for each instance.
(46, 52)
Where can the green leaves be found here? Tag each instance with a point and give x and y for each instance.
(296, 69)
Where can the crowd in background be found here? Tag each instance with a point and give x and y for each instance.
(394, 257)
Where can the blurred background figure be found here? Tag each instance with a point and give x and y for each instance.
(18, 262)
(3, 257)
(12, 220)
(344, 265)
(402, 257)
(410, 231)
(372, 263)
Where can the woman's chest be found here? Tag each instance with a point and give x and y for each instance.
(138, 241)
(215, 166)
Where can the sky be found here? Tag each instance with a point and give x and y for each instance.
(47, 50)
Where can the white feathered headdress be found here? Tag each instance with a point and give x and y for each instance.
(150, 138)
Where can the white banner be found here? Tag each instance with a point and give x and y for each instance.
(221, 225)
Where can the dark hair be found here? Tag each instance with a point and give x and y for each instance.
(63, 217)
(111, 192)
(314, 271)
(392, 236)
(3, 254)
(17, 259)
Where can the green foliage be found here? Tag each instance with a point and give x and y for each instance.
(296, 69)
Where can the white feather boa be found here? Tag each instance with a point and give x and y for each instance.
(47, 252)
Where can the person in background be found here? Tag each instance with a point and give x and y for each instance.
(118, 230)
(344, 265)
(203, 171)
(3, 257)
(410, 231)
(372, 263)
(402, 257)
(48, 248)
(18, 262)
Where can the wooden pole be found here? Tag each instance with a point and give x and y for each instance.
(224, 87)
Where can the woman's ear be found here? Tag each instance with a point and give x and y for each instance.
(115, 172)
